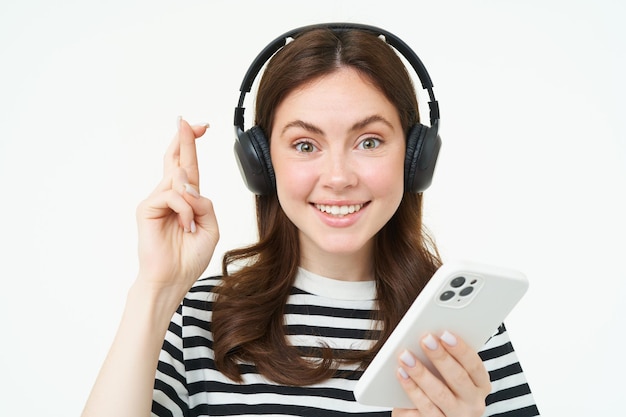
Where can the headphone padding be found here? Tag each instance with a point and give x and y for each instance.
(255, 164)
(263, 145)
(422, 149)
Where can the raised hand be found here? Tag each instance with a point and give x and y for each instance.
(177, 227)
(462, 388)
(177, 236)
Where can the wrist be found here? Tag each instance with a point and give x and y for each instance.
(157, 303)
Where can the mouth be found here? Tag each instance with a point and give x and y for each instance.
(339, 210)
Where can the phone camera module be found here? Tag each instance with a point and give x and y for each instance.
(459, 289)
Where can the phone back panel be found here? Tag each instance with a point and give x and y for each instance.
(468, 299)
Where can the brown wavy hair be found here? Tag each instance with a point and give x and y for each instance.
(247, 321)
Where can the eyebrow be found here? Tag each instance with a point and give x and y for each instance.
(357, 126)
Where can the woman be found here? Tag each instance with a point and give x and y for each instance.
(341, 255)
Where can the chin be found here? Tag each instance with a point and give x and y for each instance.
(345, 246)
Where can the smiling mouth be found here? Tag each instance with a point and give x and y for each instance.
(339, 211)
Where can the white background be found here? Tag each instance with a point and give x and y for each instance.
(532, 173)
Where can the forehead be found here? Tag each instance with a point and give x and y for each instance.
(340, 94)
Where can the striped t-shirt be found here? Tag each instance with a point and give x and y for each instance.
(319, 311)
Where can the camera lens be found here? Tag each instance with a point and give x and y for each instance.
(466, 291)
(457, 282)
(446, 295)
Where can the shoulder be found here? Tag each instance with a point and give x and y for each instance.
(206, 284)
(202, 290)
(198, 303)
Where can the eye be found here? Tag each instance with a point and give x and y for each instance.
(369, 143)
(305, 147)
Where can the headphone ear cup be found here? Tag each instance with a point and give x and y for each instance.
(422, 149)
(253, 158)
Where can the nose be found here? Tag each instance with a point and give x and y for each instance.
(339, 171)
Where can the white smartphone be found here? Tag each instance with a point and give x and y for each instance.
(468, 299)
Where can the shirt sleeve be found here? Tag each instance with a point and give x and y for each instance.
(170, 396)
(510, 393)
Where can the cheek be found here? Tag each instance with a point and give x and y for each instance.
(386, 179)
(292, 181)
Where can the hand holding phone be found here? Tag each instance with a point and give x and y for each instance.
(468, 299)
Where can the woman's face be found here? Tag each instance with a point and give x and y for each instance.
(337, 147)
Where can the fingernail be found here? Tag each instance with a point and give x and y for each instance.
(207, 125)
(430, 342)
(178, 120)
(193, 227)
(448, 338)
(407, 359)
(189, 189)
(403, 373)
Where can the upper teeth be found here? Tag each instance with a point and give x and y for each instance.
(339, 210)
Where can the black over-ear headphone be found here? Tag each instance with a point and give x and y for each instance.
(252, 147)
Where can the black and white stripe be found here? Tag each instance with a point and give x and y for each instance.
(510, 394)
(319, 310)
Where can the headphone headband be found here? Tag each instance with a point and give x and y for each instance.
(397, 43)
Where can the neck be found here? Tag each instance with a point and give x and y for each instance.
(341, 266)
